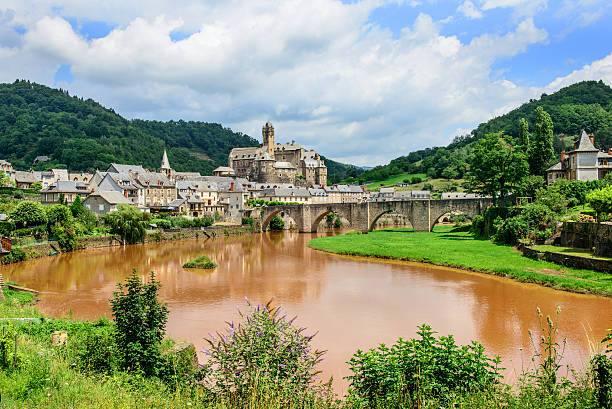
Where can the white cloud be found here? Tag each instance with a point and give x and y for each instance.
(469, 10)
(324, 74)
(522, 8)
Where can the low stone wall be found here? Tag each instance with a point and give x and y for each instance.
(567, 260)
(588, 236)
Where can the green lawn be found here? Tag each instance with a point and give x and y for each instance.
(459, 249)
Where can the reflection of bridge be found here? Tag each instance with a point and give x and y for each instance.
(423, 214)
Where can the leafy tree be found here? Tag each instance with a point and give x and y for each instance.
(497, 167)
(277, 224)
(140, 320)
(36, 186)
(28, 213)
(530, 184)
(601, 201)
(77, 207)
(523, 134)
(128, 222)
(541, 152)
(60, 224)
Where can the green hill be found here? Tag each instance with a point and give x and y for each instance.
(585, 105)
(83, 135)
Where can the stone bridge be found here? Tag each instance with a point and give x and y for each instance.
(423, 214)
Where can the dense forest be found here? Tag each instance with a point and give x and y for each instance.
(586, 105)
(82, 135)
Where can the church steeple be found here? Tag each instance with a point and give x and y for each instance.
(165, 164)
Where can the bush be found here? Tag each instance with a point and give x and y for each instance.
(415, 180)
(60, 224)
(200, 262)
(6, 227)
(265, 347)
(97, 349)
(140, 321)
(162, 223)
(277, 224)
(28, 213)
(601, 201)
(537, 216)
(14, 256)
(511, 230)
(248, 220)
(400, 375)
(203, 222)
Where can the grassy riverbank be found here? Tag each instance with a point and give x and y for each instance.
(448, 247)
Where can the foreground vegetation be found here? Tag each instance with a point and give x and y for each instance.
(449, 247)
(264, 361)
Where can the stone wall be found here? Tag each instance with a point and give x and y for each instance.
(567, 260)
(588, 236)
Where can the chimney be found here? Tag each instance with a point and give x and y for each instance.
(232, 187)
(562, 155)
(592, 138)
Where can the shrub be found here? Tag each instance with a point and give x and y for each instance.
(478, 226)
(416, 179)
(28, 213)
(511, 230)
(398, 376)
(277, 224)
(203, 222)
(6, 227)
(97, 349)
(200, 262)
(337, 222)
(14, 256)
(140, 321)
(248, 220)
(537, 216)
(162, 223)
(264, 347)
(601, 201)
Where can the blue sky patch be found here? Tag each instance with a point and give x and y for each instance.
(63, 74)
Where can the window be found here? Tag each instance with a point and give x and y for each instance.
(101, 207)
(88, 206)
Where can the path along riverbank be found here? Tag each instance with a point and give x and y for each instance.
(449, 247)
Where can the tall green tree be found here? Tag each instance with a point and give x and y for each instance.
(28, 213)
(523, 134)
(497, 167)
(541, 153)
(128, 222)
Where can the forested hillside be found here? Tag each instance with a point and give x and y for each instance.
(585, 105)
(83, 135)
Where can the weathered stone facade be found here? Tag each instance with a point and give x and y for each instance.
(278, 163)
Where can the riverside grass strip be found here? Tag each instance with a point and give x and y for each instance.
(448, 247)
(200, 262)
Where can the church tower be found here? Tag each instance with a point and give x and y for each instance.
(268, 138)
(165, 166)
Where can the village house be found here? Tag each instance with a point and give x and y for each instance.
(351, 193)
(24, 180)
(66, 189)
(318, 195)
(102, 202)
(585, 162)
(296, 195)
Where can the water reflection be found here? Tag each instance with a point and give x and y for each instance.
(354, 303)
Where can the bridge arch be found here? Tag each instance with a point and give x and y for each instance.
(317, 220)
(470, 209)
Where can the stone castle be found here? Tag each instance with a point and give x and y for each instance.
(278, 163)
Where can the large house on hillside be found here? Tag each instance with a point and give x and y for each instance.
(277, 163)
(585, 162)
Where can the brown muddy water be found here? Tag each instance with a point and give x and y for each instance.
(353, 303)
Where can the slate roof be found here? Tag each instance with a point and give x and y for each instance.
(112, 197)
(67, 186)
(585, 144)
(284, 165)
(127, 168)
(25, 177)
(283, 192)
(554, 167)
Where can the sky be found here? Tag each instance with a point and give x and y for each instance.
(360, 81)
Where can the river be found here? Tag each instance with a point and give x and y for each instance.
(353, 303)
